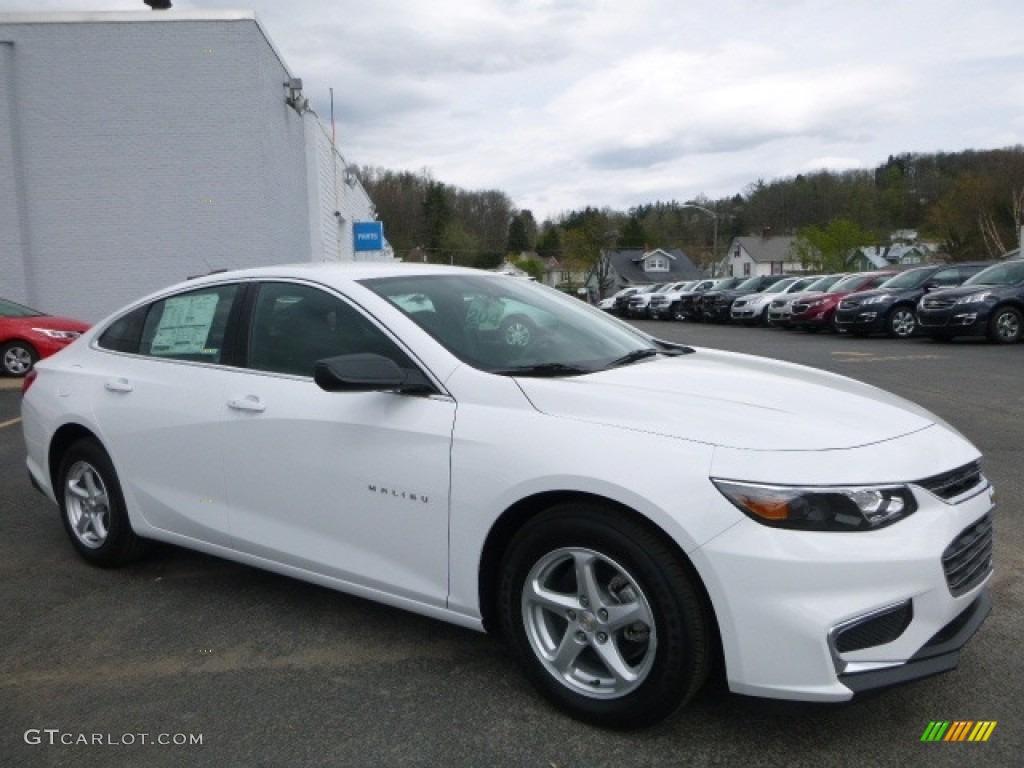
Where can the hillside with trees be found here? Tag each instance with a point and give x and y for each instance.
(971, 203)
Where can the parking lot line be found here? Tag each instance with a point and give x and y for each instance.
(9, 422)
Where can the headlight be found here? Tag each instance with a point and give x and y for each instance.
(875, 300)
(62, 335)
(975, 298)
(840, 509)
(816, 303)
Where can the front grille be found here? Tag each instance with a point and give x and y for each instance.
(968, 560)
(954, 483)
(935, 302)
(800, 308)
(778, 303)
(879, 629)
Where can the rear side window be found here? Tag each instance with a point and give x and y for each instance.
(124, 334)
(189, 326)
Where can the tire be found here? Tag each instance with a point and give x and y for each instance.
(18, 357)
(640, 613)
(517, 331)
(92, 507)
(1006, 325)
(901, 323)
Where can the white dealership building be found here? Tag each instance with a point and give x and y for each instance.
(137, 148)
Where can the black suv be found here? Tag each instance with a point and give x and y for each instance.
(715, 304)
(688, 307)
(890, 308)
(989, 304)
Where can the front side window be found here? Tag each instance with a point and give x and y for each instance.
(295, 325)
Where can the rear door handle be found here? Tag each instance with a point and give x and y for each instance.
(118, 385)
(248, 403)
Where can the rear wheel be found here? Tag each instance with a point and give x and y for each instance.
(902, 323)
(92, 507)
(1006, 325)
(603, 616)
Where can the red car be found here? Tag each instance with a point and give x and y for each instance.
(27, 335)
(817, 310)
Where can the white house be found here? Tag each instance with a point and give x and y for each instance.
(137, 148)
(764, 255)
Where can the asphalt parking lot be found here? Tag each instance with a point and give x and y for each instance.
(269, 671)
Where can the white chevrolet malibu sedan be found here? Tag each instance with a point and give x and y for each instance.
(492, 453)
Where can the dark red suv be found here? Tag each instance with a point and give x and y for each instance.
(817, 310)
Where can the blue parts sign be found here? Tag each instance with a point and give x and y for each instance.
(368, 235)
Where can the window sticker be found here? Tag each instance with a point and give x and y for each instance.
(185, 326)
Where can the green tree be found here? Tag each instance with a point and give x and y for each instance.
(549, 242)
(832, 248)
(633, 234)
(437, 213)
(533, 267)
(518, 239)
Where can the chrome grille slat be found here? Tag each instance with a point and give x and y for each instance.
(968, 559)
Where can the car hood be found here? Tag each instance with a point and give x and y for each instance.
(50, 322)
(731, 400)
(967, 290)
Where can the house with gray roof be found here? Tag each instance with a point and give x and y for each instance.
(761, 255)
(618, 269)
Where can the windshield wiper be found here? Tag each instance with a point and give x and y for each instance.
(632, 357)
(672, 349)
(544, 369)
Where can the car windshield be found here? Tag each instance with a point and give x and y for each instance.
(913, 278)
(849, 283)
(802, 284)
(1010, 273)
(781, 286)
(11, 309)
(504, 325)
(753, 282)
(823, 283)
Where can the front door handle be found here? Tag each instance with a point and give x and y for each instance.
(248, 403)
(118, 385)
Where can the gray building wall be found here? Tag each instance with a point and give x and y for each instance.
(139, 148)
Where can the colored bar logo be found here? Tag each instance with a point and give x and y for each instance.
(958, 730)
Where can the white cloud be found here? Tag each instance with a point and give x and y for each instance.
(565, 103)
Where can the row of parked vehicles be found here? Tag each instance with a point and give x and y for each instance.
(940, 300)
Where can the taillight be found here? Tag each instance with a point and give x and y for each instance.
(27, 381)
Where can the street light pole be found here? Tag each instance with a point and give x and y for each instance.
(714, 236)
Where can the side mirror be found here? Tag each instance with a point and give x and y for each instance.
(367, 373)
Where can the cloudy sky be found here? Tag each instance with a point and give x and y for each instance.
(567, 103)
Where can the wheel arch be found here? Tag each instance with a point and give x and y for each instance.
(516, 516)
(66, 436)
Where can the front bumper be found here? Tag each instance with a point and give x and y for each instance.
(861, 320)
(780, 640)
(963, 320)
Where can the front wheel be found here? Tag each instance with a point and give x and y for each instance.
(517, 332)
(603, 616)
(92, 507)
(18, 358)
(902, 323)
(1006, 325)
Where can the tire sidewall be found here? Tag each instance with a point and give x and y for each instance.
(681, 626)
(994, 325)
(121, 544)
(32, 354)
